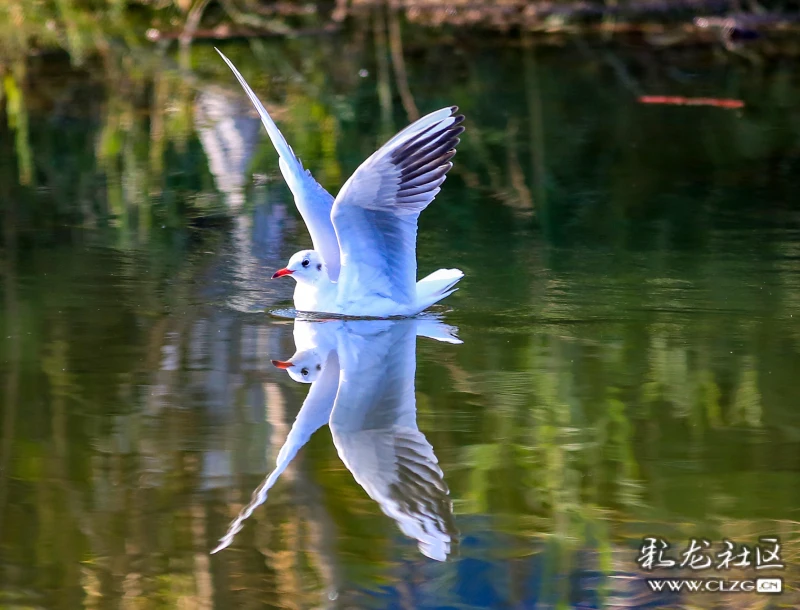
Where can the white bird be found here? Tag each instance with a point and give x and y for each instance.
(364, 261)
(362, 385)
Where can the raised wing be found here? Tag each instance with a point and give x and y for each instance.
(312, 416)
(375, 431)
(313, 201)
(375, 214)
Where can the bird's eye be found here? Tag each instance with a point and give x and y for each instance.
(306, 262)
(304, 372)
(319, 267)
(319, 367)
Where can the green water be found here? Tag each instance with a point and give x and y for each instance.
(628, 316)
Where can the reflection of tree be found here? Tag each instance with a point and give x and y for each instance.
(573, 430)
(229, 134)
(601, 389)
(17, 114)
(11, 330)
(152, 170)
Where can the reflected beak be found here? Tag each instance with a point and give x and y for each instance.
(282, 364)
(281, 273)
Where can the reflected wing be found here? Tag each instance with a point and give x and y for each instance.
(375, 214)
(409, 486)
(313, 415)
(375, 432)
(313, 201)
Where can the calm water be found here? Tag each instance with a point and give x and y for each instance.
(630, 348)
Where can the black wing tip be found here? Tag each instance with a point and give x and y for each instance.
(453, 109)
(428, 164)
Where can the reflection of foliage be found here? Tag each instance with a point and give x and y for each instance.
(537, 139)
(644, 379)
(18, 120)
(746, 402)
(567, 435)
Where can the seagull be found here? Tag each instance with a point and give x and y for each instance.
(364, 261)
(362, 386)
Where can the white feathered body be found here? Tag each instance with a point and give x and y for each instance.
(366, 237)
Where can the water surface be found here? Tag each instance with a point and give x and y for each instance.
(629, 358)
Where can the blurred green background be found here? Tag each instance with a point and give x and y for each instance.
(630, 346)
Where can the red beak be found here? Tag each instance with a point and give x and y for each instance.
(281, 273)
(282, 364)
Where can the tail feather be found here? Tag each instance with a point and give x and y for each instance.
(437, 330)
(436, 286)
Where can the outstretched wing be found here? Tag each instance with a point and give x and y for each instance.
(375, 431)
(313, 201)
(375, 214)
(312, 416)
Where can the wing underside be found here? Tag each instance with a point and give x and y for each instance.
(375, 214)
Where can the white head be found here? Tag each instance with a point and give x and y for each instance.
(303, 367)
(305, 266)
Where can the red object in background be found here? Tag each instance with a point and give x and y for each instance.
(690, 101)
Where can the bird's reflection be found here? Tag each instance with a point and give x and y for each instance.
(362, 385)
